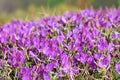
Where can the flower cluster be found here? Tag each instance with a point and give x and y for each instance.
(81, 45)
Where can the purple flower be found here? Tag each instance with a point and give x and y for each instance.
(115, 35)
(63, 19)
(17, 58)
(97, 56)
(64, 60)
(105, 61)
(117, 67)
(66, 64)
(92, 65)
(47, 51)
(46, 76)
(25, 72)
(110, 47)
(50, 66)
(60, 39)
(82, 57)
(91, 62)
(58, 44)
(3, 37)
(90, 59)
(44, 71)
(102, 43)
(43, 32)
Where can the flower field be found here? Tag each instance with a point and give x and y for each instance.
(83, 45)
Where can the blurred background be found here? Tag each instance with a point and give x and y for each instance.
(30, 9)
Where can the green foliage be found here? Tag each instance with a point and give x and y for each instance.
(105, 3)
